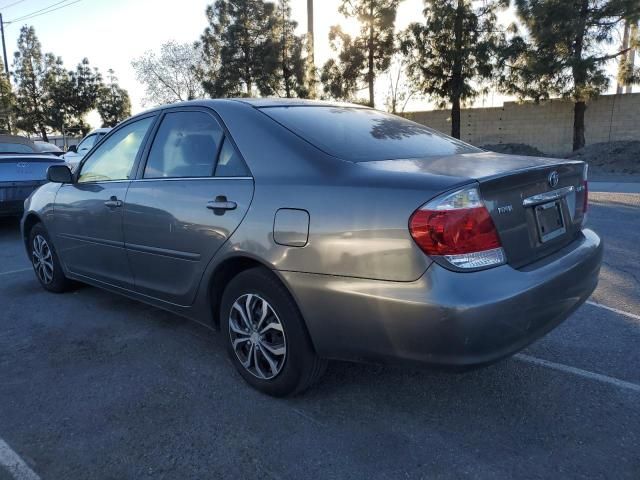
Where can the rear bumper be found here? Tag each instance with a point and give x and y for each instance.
(446, 318)
(13, 195)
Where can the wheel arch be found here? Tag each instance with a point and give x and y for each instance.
(30, 221)
(222, 275)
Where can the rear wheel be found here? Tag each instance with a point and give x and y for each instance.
(266, 337)
(45, 261)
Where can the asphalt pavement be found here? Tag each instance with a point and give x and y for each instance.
(93, 385)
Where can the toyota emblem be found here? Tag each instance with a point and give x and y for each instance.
(554, 178)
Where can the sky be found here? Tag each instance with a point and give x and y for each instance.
(111, 33)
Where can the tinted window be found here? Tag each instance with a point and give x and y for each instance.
(230, 164)
(186, 145)
(360, 134)
(114, 158)
(15, 148)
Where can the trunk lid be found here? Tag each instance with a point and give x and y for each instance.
(26, 168)
(534, 214)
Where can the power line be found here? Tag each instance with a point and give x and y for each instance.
(11, 4)
(43, 11)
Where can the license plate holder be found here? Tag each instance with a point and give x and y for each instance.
(550, 221)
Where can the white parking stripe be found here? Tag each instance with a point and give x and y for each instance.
(15, 271)
(615, 310)
(579, 372)
(12, 462)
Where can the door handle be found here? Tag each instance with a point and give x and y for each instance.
(221, 203)
(113, 202)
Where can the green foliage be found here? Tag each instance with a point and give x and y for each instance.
(285, 71)
(113, 102)
(450, 57)
(235, 45)
(7, 102)
(70, 95)
(31, 70)
(564, 51)
(363, 57)
(48, 97)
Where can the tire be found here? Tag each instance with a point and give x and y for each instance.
(44, 259)
(283, 362)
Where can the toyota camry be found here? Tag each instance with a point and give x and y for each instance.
(309, 231)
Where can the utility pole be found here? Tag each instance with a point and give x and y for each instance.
(625, 46)
(633, 37)
(310, 30)
(4, 50)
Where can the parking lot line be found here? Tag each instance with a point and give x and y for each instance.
(12, 462)
(15, 271)
(579, 372)
(615, 310)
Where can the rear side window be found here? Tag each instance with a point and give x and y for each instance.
(361, 134)
(15, 148)
(230, 164)
(186, 145)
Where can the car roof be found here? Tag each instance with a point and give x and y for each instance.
(16, 139)
(293, 102)
(100, 130)
(254, 102)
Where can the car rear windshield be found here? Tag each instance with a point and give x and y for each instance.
(15, 148)
(361, 134)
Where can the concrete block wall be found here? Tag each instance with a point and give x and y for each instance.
(547, 126)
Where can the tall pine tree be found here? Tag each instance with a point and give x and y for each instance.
(451, 55)
(31, 69)
(113, 103)
(285, 71)
(233, 46)
(564, 51)
(363, 57)
(7, 102)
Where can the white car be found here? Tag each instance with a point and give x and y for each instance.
(77, 153)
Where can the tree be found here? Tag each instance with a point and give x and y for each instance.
(31, 68)
(285, 68)
(114, 104)
(7, 102)
(233, 46)
(70, 95)
(172, 76)
(451, 56)
(628, 73)
(401, 88)
(565, 51)
(362, 58)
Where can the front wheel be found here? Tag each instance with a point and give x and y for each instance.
(267, 340)
(45, 261)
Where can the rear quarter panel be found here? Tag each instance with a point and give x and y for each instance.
(358, 216)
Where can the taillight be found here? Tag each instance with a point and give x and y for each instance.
(458, 228)
(585, 182)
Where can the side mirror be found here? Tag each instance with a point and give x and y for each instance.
(59, 174)
(72, 148)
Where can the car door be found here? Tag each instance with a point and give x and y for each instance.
(189, 197)
(88, 212)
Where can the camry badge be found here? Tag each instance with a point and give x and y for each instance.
(553, 179)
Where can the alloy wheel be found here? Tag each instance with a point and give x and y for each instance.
(257, 336)
(42, 259)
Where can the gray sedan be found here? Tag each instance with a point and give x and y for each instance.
(310, 231)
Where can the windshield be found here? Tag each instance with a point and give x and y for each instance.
(15, 148)
(361, 134)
